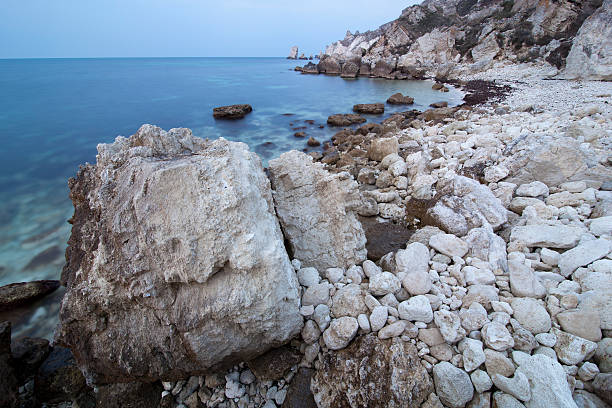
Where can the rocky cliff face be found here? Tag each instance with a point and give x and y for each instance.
(446, 38)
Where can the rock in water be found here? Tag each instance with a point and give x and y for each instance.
(315, 209)
(232, 111)
(293, 53)
(176, 263)
(400, 99)
(16, 294)
(372, 373)
(371, 108)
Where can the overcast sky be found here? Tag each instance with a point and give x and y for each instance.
(135, 28)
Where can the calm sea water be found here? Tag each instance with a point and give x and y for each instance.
(53, 112)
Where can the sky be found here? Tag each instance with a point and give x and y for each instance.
(173, 28)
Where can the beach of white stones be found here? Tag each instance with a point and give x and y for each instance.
(531, 328)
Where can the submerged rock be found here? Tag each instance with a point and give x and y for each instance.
(370, 108)
(372, 373)
(176, 263)
(232, 111)
(345, 119)
(316, 211)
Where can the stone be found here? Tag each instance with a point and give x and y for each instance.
(416, 309)
(415, 258)
(321, 316)
(135, 394)
(481, 381)
(496, 362)
(601, 226)
(349, 301)
(310, 332)
(381, 147)
(474, 317)
(548, 383)
(546, 339)
(453, 385)
(531, 315)
(329, 65)
(372, 373)
(449, 324)
(477, 276)
(17, 294)
(572, 349)
(549, 257)
(449, 245)
(274, 364)
(399, 99)
(58, 378)
(315, 210)
(473, 355)
(345, 119)
(28, 354)
(165, 294)
(585, 399)
(378, 318)
(603, 355)
(316, 295)
(517, 386)
(293, 53)
(9, 383)
(582, 323)
(299, 394)
(308, 277)
(503, 400)
(602, 386)
(417, 283)
(340, 332)
(384, 283)
(370, 108)
(546, 236)
(350, 69)
(393, 330)
(232, 111)
(583, 254)
(312, 142)
(494, 174)
(588, 371)
(431, 337)
(523, 282)
(496, 336)
(533, 189)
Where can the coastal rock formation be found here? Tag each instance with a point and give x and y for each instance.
(176, 264)
(345, 119)
(451, 38)
(591, 53)
(232, 111)
(17, 294)
(316, 210)
(399, 99)
(372, 373)
(370, 108)
(293, 53)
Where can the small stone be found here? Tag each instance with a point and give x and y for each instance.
(523, 282)
(582, 323)
(496, 362)
(378, 318)
(370, 268)
(546, 339)
(473, 355)
(601, 226)
(481, 380)
(349, 301)
(571, 349)
(364, 323)
(531, 315)
(384, 283)
(546, 236)
(450, 326)
(316, 295)
(392, 330)
(308, 276)
(417, 308)
(583, 254)
(588, 371)
(497, 337)
(453, 385)
(449, 245)
(321, 316)
(550, 257)
(518, 386)
(503, 400)
(310, 332)
(334, 275)
(340, 332)
(494, 174)
(247, 377)
(534, 189)
(415, 258)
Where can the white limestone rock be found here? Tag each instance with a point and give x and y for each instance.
(548, 381)
(533, 189)
(449, 245)
(517, 386)
(453, 385)
(523, 281)
(416, 309)
(349, 301)
(384, 283)
(340, 332)
(315, 209)
(547, 236)
(473, 354)
(496, 336)
(584, 254)
(572, 349)
(378, 318)
(531, 315)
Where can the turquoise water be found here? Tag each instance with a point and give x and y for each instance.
(53, 112)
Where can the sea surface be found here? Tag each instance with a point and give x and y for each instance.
(53, 113)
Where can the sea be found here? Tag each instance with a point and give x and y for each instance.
(53, 113)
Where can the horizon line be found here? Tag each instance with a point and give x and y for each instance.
(135, 57)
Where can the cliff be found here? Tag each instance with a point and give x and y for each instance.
(454, 37)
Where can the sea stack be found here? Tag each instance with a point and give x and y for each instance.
(293, 54)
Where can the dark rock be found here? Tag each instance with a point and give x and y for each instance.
(383, 238)
(299, 394)
(437, 86)
(28, 355)
(232, 111)
(370, 128)
(58, 378)
(303, 57)
(17, 294)
(345, 119)
(364, 70)
(382, 69)
(8, 381)
(399, 99)
(437, 114)
(309, 121)
(331, 157)
(298, 69)
(329, 65)
(372, 373)
(274, 364)
(439, 105)
(350, 70)
(129, 395)
(370, 108)
(310, 68)
(299, 134)
(602, 386)
(312, 142)
(44, 258)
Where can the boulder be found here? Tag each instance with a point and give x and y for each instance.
(350, 70)
(372, 373)
(370, 108)
(548, 382)
(591, 54)
(347, 119)
(310, 68)
(329, 65)
(59, 379)
(547, 236)
(399, 99)
(16, 294)
(232, 111)
(176, 264)
(293, 53)
(583, 255)
(453, 385)
(572, 349)
(382, 147)
(316, 211)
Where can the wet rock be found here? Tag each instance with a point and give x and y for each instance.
(232, 111)
(28, 355)
(165, 294)
(399, 99)
(299, 394)
(312, 142)
(299, 134)
(275, 363)
(438, 105)
(372, 373)
(370, 108)
(16, 294)
(310, 68)
(315, 209)
(129, 395)
(58, 378)
(345, 119)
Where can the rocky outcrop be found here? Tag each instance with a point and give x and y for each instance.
(176, 263)
(591, 54)
(369, 108)
(399, 99)
(316, 210)
(345, 119)
(372, 373)
(232, 111)
(293, 53)
(442, 38)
